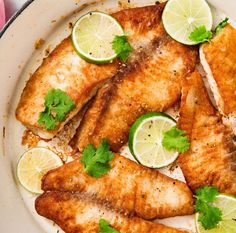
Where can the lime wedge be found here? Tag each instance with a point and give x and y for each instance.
(145, 140)
(92, 37)
(227, 204)
(33, 165)
(181, 17)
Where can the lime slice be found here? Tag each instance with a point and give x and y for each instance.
(92, 37)
(33, 164)
(145, 140)
(181, 17)
(227, 204)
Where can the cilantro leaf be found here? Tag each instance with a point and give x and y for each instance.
(122, 47)
(105, 227)
(176, 139)
(200, 35)
(207, 193)
(47, 119)
(57, 105)
(96, 162)
(210, 216)
(104, 155)
(221, 25)
(98, 170)
(88, 154)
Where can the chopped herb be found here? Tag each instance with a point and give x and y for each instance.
(175, 139)
(200, 35)
(221, 25)
(105, 227)
(122, 47)
(96, 162)
(57, 105)
(210, 216)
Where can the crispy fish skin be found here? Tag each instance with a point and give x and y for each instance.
(65, 70)
(127, 187)
(218, 59)
(150, 82)
(77, 214)
(212, 156)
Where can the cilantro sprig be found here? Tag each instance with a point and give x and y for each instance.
(122, 47)
(200, 35)
(175, 139)
(105, 227)
(96, 162)
(221, 25)
(210, 216)
(57, 105)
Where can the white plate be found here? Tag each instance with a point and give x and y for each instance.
(47, 19)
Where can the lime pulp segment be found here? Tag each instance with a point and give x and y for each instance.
(92, 37)
(33, 164)
(181, 17)
(145, 140)
(227, 205)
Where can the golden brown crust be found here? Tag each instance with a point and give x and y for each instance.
(152, 82)
(220, 54)
(65, 70)
(127, 187)
(211, 158)
(95, 109)
(78, 214)
(140, 20)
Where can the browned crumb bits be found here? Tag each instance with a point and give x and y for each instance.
(38, 43)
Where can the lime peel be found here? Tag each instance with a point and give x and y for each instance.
(181, 18)
(92, 37)
(227, 204)
(33, 164)
(145, 140)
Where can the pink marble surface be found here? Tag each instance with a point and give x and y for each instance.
(2, 14)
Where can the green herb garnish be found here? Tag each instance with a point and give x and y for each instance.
(57, 105)
(122, 47)
(210, 216)
(105, 227)
(200, 35)
(96, 162)
(175, 139)
(221, 25)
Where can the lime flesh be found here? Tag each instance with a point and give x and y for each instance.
(92, 37)
(227, 205)
(145, 140)
(33, 165)
(181, 17)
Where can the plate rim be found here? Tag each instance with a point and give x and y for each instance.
(5, 31)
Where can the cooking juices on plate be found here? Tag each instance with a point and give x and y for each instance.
(127, 69)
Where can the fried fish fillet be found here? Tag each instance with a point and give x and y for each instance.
(150, 82)
(128, 187)
(218, 59)
(65, 70)
(77, 214)
(211, 159)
